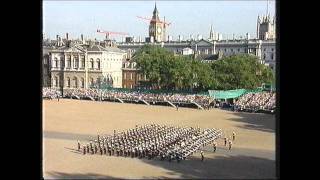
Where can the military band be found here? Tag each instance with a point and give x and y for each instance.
(154, 141)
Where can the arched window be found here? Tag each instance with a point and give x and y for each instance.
(264, 56)
(98, 64)
(272, 56)
(91, 63)
(55, 62)
(68, 82)
(75, 82)
(82, 82)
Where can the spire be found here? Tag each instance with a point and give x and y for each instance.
(155, 8)
(211, 33)
(155, 12)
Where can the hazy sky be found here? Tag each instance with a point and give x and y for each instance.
(187, 17)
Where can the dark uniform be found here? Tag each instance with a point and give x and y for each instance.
(230, 144)
(78, 146)
(202, 157)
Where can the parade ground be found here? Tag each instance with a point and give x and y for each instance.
(66, 121)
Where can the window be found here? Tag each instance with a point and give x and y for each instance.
(131, 76)
(75, 82)
(231, 50)
(91, 63)
(271, 49)
(55, 62)
(272, 56)
(82, 62)
(82, 82)
(56, 82)
(91, 81)
(98, 64)
(124, 86)
(61, 62)
(131, 86)
(238, 50)
(225, 50)
(76, 64)
(264, 56)
(69, 62)
(124, 75)
(264, 49)
(68, 82)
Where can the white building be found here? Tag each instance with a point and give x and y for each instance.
(84, 66)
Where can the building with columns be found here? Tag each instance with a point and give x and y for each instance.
(84, 66)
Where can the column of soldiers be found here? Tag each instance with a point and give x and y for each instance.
(153, 141)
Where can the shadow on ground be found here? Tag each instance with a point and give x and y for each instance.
(67, 136)
(219, 167)
(244, 167)
(256, 121)
(61, 175)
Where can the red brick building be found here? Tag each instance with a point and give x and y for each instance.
(131, 77)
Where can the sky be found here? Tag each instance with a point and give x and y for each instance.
(186, 17)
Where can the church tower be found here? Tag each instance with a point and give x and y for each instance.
(266, 27)
(156, 27)
(211, 34)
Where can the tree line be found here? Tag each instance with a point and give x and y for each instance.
(168, 71)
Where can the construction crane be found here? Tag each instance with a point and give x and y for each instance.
(108, 33)
(153, 20)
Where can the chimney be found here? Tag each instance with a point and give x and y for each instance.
(67, 36)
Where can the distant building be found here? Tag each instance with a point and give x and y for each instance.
(266, 28)
(131, 76)
(187, 51)
(85, 65)
(157, 29)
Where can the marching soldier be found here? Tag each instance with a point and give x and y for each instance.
(84, 150)
(230, 144)
(78, 145)
(233, 135)
(214, 146)
(202, 157)
(104, 150)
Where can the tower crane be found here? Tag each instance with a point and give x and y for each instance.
(153, 20)
(108, 33)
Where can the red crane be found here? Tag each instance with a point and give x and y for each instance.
(108, 33)
(154, 20)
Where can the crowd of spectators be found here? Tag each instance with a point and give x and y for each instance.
(96, 94)
(50, 93)
(265, 101)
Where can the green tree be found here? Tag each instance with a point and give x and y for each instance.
(240, 71)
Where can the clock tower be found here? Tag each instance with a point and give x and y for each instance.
(156, 27)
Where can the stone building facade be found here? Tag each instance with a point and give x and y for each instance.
(84, 66)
